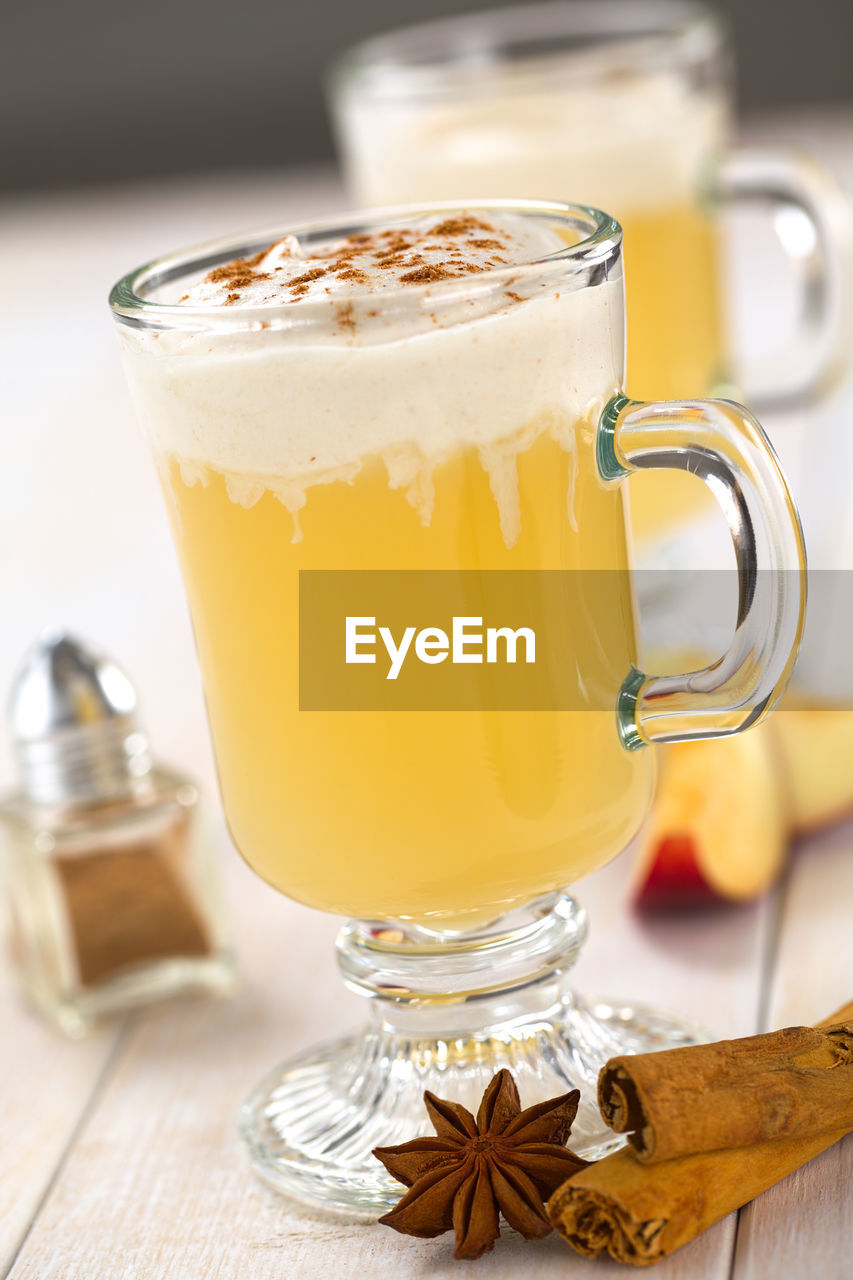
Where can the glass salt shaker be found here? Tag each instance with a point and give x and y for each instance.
(113, 889)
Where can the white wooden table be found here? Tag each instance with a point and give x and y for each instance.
(119, 1156)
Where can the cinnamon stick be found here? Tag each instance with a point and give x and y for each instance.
(735, 1093)
(639, 1212)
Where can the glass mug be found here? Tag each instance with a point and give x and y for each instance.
(460, 431)
(627, 107)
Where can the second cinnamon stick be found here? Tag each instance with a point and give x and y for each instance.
(639, 1215)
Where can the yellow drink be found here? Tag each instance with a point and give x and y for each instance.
(674, 309)
(450, 429)
(676, 347)
(409, 814)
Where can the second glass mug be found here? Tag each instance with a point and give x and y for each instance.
(463, 427)
(625, 106)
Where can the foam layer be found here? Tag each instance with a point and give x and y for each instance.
(627, 144)
(283, 410)
(422, 251)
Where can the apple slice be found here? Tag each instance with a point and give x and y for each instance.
(719, 826)
(817, 754)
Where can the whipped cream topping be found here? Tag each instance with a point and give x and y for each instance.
(417, 252)
(283, 410)
(627, 144)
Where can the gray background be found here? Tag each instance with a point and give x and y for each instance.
(93, 90)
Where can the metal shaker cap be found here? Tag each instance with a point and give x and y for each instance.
(72, 712)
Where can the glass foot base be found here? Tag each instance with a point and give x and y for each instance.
(311, 1124)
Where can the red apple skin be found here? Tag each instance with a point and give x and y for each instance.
(673, 878)
(719, 828)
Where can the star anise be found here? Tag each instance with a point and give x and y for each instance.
(506, 1161)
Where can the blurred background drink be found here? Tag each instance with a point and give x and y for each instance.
(624, 106)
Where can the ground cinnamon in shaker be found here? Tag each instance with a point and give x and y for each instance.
(127, 906)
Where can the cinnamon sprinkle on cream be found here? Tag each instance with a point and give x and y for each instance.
(432, 248)
(425, 275)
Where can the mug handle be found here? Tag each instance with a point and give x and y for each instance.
(723, 444)
(819, 349)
